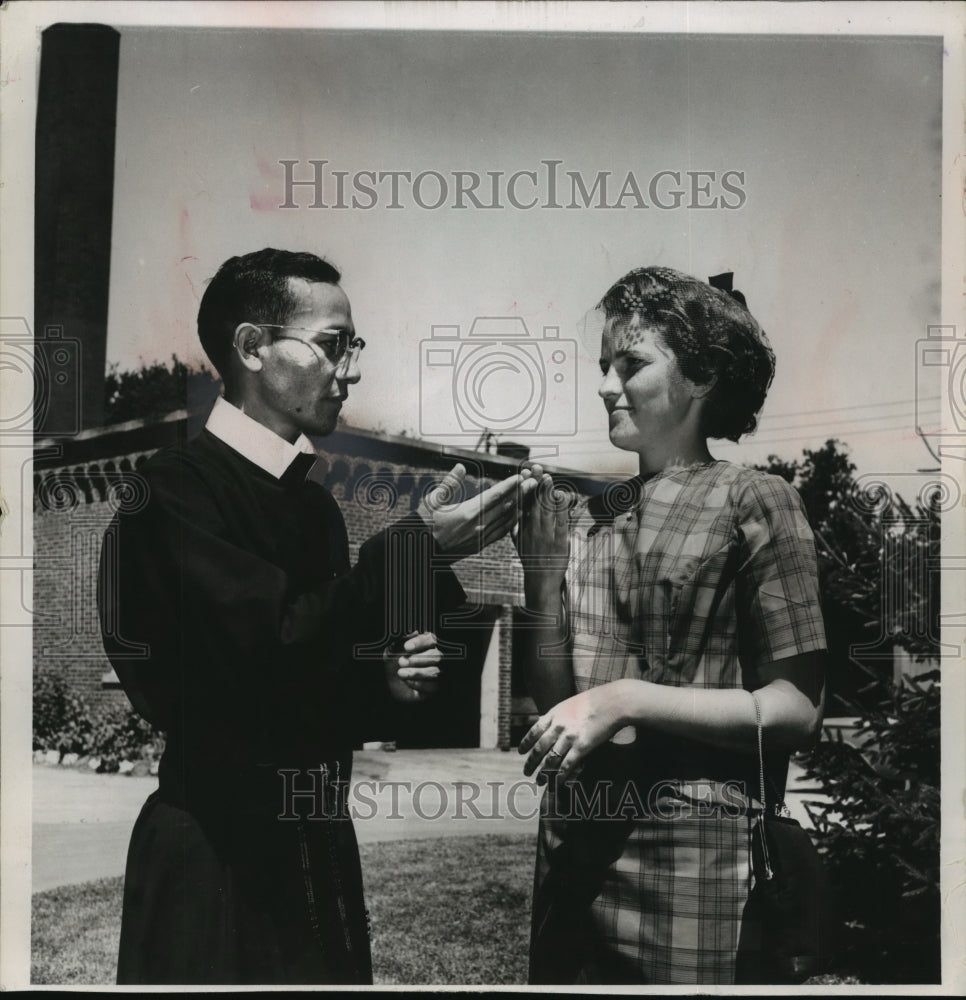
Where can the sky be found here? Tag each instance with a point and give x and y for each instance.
(832, 143)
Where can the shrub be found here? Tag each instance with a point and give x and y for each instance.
(119, 733)
(879, 835)
(62, 720)
(875, 551)
(880, 832)
(153, 391)
(65, 722)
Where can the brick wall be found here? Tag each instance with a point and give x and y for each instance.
(73, 506)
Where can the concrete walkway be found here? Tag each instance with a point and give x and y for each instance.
(82, 821)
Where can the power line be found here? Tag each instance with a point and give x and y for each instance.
(788, 432)
(804, 437)
(859, 406)
(847, 420)
(830, 430)
(587, 436)
(751, 441)
(770, 417)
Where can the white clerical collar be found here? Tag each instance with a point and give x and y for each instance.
(253, 440)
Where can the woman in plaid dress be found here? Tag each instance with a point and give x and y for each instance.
(655, 610)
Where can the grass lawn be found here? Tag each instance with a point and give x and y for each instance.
(444, 912)
(448, 911)
(74, 933)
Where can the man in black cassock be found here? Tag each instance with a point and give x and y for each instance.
(233, 571)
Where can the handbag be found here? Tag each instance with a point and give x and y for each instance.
(792, 893)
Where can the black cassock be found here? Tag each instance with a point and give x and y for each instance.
(234, 620)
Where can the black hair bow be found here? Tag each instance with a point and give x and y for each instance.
(723, 283)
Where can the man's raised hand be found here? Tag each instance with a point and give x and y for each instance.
(463, 529)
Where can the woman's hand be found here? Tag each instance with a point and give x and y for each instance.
(560, 740)
(412, 673)
(543, 537)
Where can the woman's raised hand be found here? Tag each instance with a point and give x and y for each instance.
(543, 535)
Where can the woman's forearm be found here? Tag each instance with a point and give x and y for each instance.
(791, 720)
(790, 695)
(548, 669)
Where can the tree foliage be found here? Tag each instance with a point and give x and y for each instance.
(879, 835)
(878, 560)
(153, 391)
(878, 824)
(64, 721)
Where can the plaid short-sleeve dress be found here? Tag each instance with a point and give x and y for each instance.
(693, 577)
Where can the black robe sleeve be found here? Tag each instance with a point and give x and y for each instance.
(261, 639)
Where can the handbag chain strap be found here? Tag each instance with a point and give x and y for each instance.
(769, 872)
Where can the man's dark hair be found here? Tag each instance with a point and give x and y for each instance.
(254, 288)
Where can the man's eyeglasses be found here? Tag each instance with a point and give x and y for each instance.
(337, 347)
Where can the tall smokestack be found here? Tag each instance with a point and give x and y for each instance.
(74, 189)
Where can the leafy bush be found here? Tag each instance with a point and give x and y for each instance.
(65, 722)
(153, 391)
(879, 835)
(119, 733)
(62, 719)
(874, 550)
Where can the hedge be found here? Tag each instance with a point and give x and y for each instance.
(879, 834)
(113, 732)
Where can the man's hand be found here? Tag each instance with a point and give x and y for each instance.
(412, 672)
(463, 529)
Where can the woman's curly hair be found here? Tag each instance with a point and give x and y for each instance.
(713, 337)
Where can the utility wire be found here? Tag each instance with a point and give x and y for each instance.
(859, 406)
